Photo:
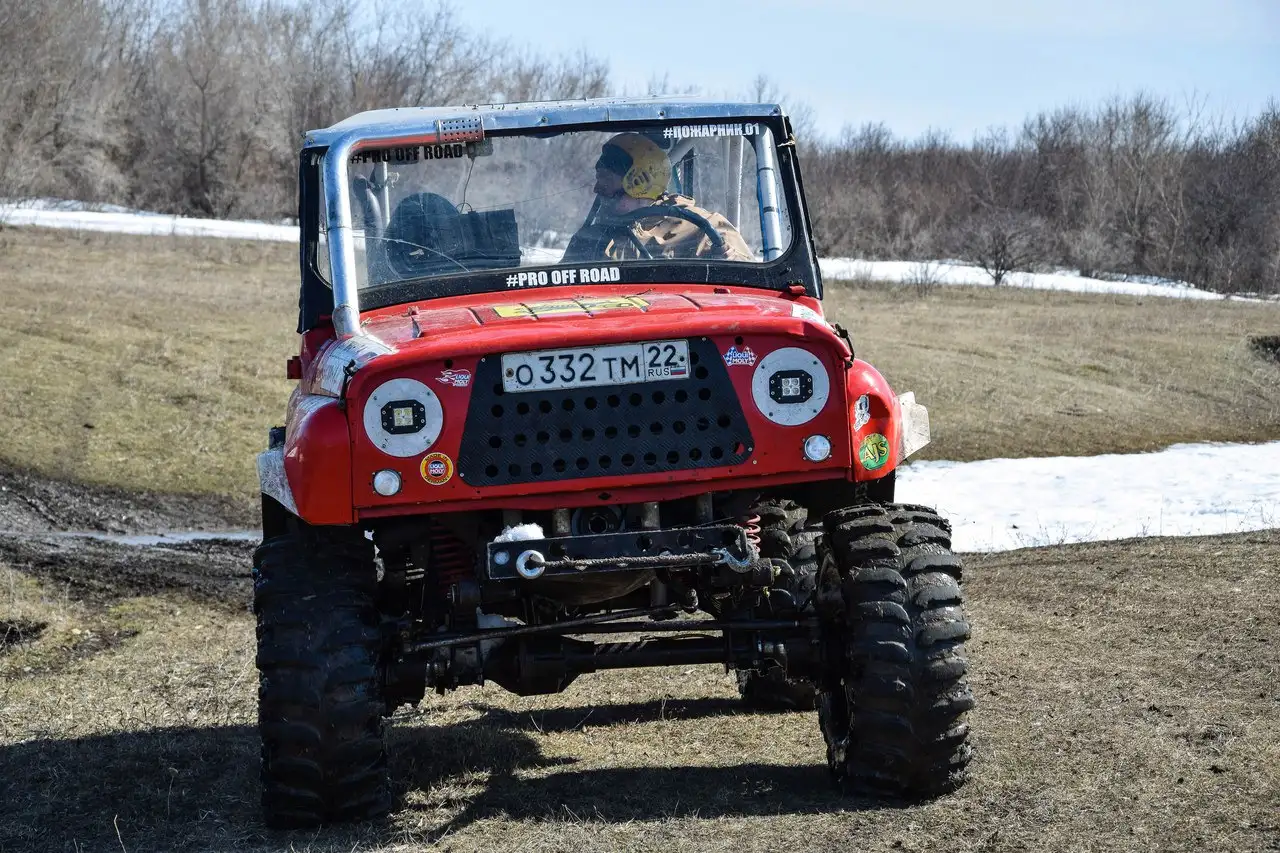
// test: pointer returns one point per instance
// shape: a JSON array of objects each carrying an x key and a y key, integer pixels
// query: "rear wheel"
[
  {"x": 785, "y": 536},
  {"x": 893, "y": 697},
  {"x": 319, "y": 703}
]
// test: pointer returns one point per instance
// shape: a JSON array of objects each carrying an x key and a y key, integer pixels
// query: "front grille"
[{"x": 605, "y": 431}]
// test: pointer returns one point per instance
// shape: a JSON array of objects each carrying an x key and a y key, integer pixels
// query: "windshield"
[{"x": 677, "y": 194}]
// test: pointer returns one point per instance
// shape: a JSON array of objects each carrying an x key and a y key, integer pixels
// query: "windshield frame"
[{"x": 797, "y": 265}]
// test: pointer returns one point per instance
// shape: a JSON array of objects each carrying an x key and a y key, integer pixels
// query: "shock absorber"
[
  {"x": 751, "y": 526},
  {"x": 450, "y": 556}
]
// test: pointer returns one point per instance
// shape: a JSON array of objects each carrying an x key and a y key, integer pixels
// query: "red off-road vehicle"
[{"x": 564, "y": 373}]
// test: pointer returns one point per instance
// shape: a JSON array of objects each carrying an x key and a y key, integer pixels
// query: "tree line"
[
  {"x": 197, "y": 107},
  {"x": 1135, "y": 185}
]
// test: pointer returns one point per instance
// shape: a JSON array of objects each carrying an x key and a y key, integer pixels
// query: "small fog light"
[
  {"x": 817, "y": 448},
  {"x": 386, "y": 482}
]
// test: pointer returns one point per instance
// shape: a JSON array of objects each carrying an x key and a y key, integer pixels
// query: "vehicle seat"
[{"x": 424, "y": 237}]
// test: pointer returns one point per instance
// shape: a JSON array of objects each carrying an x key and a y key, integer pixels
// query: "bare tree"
[
  {"x": 764, "y": 90},
  {"x": 1002, "y": 242},
  {"x": 533, "y": 78},
  {"x": 197, "y": 106},
  {"x": 207, "y": 115},
  {"x": 63, "y": 95}
]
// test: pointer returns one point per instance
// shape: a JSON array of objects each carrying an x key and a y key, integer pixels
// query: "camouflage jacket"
[{"x": 667, "y": 237}]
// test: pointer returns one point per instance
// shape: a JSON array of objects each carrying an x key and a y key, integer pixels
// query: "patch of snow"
[
  {"x": 69, "y": 205},
  {"x": 1184, "y": 490},
  {"x": 520, "y": 533},
  {"x": 949, "y": 272},
  {"x": 47, "y": 213}
]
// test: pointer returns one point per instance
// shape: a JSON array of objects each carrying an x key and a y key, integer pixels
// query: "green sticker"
[{"x": 873, "y": 453}]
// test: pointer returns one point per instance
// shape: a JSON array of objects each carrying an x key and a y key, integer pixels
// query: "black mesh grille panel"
[{"x": 605, "y": 431}]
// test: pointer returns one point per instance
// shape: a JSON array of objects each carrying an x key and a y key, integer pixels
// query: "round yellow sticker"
[
  {"x": 873, "y": 453},
  {"x": 437, "y": 469}
]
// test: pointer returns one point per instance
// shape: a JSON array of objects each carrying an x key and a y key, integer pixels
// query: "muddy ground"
[
  {"x": 69, "y": 536},
  {"x": 1129, "y": 699},
  {"x": 34, "y": 504}
]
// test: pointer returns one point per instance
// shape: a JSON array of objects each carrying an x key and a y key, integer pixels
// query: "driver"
[{"x": 631, "y": 175}]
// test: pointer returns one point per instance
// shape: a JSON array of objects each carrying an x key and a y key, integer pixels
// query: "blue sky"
[{"x": 956, "y": 66}]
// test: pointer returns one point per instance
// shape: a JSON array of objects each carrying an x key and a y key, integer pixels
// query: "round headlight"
[
  {"x": 790, "y": 386},
  {"x": 386, "y": 483},
  {"x": 402, "y": 417},
  {"x": 817, "y": 448}
]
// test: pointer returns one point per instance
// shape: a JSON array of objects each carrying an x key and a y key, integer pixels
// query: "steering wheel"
[{"x": 620, "y": 226}]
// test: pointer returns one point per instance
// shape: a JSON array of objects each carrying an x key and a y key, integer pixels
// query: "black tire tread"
[
  {"x": 893, "y": 701},
  {"x": 319, "y": 704}
]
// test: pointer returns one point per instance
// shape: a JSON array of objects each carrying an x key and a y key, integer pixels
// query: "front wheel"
[
  {"x": 893, "y": 698},
  {"x": 319, "y": 696}
]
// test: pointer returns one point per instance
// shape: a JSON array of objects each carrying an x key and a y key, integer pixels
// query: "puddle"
[{"x": 141, "y": 540}]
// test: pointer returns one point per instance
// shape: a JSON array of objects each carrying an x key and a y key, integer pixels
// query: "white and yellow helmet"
[{"x": 644, "y": 167}]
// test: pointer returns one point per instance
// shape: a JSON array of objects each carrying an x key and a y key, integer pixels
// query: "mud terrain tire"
[
  {"x": 893, "y": 696},
  {"x": 785, "y": 534},
  {"x": 319, "y": 703}
]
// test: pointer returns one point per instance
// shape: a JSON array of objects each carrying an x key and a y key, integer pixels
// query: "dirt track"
[
  {"x": 37, "y": 516},
  {"x": 1127, "y": 695},
  {"x": 215, "y": 571},
  {"x": 32, "y": 504}
]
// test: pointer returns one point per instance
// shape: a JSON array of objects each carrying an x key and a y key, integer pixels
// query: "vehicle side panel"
[
  {"x": 885, "y": 421},
  {"x": 317, "y": 459}
]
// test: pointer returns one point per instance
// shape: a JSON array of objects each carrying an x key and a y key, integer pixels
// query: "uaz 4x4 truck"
[{"x": 565, "y": 374}]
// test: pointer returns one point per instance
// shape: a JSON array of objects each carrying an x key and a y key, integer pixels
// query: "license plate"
[{"x": 622, "y": 364}]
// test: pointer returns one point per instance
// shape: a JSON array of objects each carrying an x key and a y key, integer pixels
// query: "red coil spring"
[
  {"x": 751, "y": 524},
  {"x": 450, "y": 556}
]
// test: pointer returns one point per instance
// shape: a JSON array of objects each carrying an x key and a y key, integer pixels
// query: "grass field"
[
  {"x": 1128, "y": 697},
  {"x": 1128, "y": 691},
  {"x": 157, "y": 363}
]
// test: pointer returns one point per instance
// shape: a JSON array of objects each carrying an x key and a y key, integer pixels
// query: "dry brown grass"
[
  {"x": 1015, "y": 372},
  {"x": 141, "y": 362},
  {"x": 173, "y": 351},
  {"x": 1127, "y": 691},
  {"x": 1127, "y": 701}
]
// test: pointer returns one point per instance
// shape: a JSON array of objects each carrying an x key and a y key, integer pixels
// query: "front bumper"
[
  {"x": 915, "y": 424},
  {"x": 573, "y": 556}
]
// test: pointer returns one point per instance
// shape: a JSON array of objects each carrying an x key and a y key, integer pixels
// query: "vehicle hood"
[{"x": 501, "y": 322}]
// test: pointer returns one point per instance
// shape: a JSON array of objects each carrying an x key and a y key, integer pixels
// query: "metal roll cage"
[{"x": 389, "y": 128}]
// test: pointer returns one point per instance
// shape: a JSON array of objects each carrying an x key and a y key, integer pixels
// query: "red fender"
[
  {"x": 880, "y": 438},
  {"x": 317, "y": 460}
]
